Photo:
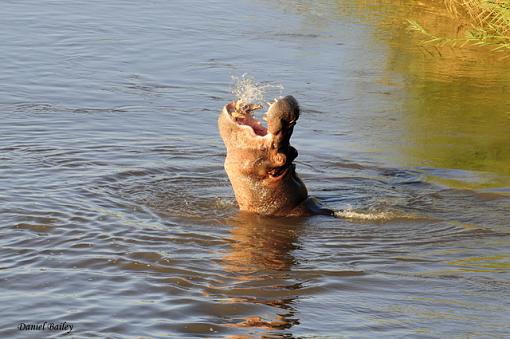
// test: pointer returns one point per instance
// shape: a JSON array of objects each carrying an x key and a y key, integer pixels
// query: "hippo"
[{"x": 259, "y": 161}]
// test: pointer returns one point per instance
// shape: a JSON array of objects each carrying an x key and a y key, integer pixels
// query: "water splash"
[
  {"x": 246, "y": 89},
  {"x": 349, "y": 213}
]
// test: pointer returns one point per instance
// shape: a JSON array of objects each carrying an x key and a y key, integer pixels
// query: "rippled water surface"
[{"x": 117, "y": 215}]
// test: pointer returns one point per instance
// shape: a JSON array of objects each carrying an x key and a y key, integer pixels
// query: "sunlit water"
[{"x": 117, "y": 215}]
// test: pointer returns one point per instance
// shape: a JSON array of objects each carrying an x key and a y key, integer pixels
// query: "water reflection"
[
  {"x": 461, "y": 126},
  {"x": 261, "y": 259},
  {"x": 454, "y": 111}
]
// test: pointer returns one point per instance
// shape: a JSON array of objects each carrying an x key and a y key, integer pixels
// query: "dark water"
[{"x": 117, "y": 216}]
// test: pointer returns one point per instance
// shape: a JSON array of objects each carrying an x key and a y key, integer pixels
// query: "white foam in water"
[
  {"x": 247, "y": 90},
  {"x": 349, "y": 213}
]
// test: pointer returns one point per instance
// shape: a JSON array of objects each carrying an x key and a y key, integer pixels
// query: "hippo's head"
[{"x": 259, "y": 159}]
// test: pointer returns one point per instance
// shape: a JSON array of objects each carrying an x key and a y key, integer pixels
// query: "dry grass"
[{"x": 487, "y": 22}]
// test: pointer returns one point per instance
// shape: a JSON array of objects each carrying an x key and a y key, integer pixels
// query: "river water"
[{"x": 117, "y": 216}]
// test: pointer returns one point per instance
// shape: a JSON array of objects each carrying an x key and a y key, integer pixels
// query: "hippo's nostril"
[{"x": 259, "y": 160}]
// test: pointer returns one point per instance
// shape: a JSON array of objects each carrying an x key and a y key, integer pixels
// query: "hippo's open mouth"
[
  {"x": 244, "y": 117},
  {"x": 259, "y": 160},
  {"x": 249, "y": 133}
]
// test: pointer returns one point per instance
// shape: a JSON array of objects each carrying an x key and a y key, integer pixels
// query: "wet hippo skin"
[{"x": 259, "y": 161}]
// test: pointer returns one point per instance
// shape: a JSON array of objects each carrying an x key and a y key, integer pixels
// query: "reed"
[{"x": 483, "y": 23}]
